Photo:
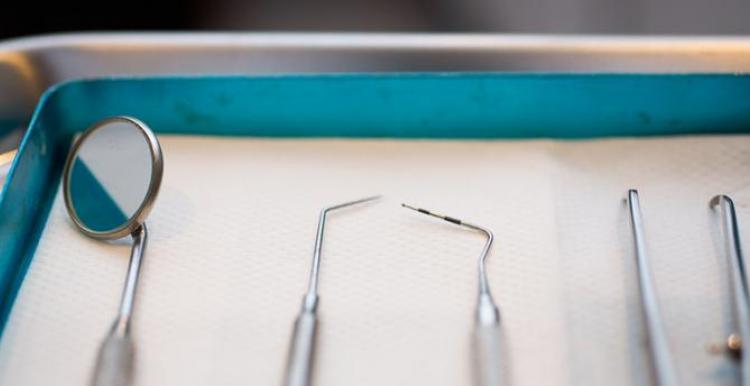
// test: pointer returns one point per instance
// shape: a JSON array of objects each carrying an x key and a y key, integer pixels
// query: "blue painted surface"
[
  {"x": 487, "y": 106},
  {"x": 428, "y": 106}
]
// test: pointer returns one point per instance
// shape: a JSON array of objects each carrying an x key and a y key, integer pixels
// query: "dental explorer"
[{"x": 302, "y": 349}]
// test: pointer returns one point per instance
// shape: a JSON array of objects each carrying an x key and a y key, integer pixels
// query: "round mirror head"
[{"x": 111, "y": 177}]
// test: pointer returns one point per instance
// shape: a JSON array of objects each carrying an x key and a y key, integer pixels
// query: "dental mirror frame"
[
  {"x": 115, "y": 360},
  {"x": 157, "y": 170}
]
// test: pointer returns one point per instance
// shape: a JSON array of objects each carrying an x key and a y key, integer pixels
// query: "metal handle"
[
  {"x": 664, "y": 369},
  {"x": 114, "y": 365},
  {"x": 488, "y": 351},
  {"x": 300, "y": 362},
  {"x": 738, "y": 279}
]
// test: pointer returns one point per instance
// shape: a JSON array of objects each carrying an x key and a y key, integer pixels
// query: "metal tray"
[
  {"x": 431, "y": 106},
  {"x": 479, "y": 106}
]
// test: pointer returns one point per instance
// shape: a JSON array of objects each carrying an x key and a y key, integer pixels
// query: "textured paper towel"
[{"x": 231, "y": 243}]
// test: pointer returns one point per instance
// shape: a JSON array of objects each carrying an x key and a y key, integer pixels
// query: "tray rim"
[
  {"x": 30, "y": 65},
  {"x": 386, "y": 40}
]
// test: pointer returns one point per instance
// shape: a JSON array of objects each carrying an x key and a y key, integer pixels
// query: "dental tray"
[{"x": 543, "y": 160}]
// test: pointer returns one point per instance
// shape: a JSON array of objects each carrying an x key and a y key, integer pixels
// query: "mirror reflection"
[{"x": 110, "y": 176}]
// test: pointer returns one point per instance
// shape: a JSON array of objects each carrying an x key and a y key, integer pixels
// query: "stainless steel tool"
[
  {"x": 489, "y": 355},
  {"x": 738, "y": 279},
  {"x": 111, "y": 180},
  {"x": 301, "y": 352},
  {"x": 663, "y": 366}
]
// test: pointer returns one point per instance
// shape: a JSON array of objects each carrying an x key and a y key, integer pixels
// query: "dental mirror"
[{"x": 110, "y": 181}]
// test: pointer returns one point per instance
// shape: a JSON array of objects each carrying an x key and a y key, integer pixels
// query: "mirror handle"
[{"x": 114, "y": 364}]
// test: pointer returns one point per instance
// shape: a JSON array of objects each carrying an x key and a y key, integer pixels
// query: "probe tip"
[{"x": 407, "y": 206}]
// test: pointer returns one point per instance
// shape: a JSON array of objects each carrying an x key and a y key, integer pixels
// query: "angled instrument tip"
[
  {"x": 484, "y": 287},
  {"x": 716, "y": 200},
  {"x": 433, "y": 214},
  {"x": 355, "y": 202},
  {"x": 313, "y": 285},
  {"x": 407, "y": 206},
  {"x": 372, "y": 198}
]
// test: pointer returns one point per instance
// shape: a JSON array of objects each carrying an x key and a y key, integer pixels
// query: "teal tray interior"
[{"x": 471, "y": 106}]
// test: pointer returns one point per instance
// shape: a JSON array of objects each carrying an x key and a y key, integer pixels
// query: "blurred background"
[{"x": 22, "y": 18}]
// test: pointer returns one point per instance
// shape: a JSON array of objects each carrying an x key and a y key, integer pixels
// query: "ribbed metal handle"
[
  {"x": 301, "y": 351},
  {"x": 489, "y": 356},
  {"x": 114, "y": 366}
]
